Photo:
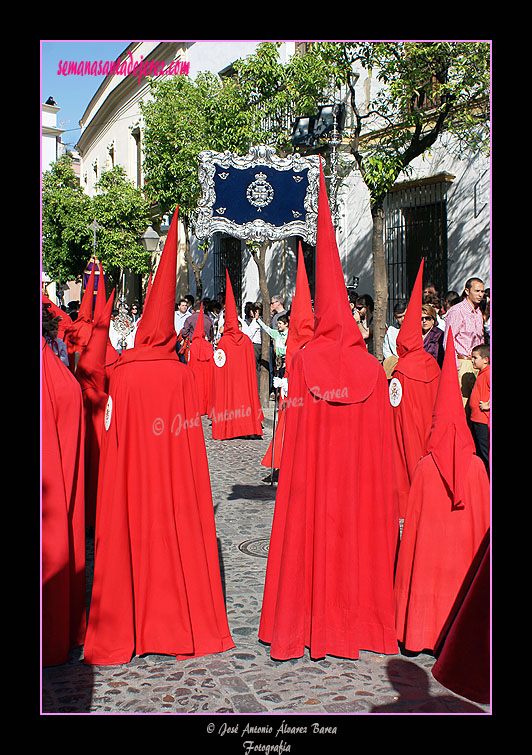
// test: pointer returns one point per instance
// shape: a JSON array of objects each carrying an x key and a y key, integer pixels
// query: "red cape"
[
  {"x": 63, "y": 514},
  {"x": 437, "y": 547},
  {"x": 157, "y": 585},
  {"x": 200, "y": 360},
  {"x": 447, "y": 516},
  {"x": 415, "y": 381},
  {"x": 94, "y": 383},
  {"x": 329, "y": 577},
  {"x": 235, "y": 407},
  {"x": 463, "y": 664}
]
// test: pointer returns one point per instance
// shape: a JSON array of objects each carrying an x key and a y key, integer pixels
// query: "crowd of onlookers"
[{"x": 437, "y": 312}]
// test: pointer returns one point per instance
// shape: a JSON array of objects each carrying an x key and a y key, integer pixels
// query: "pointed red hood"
[
  {"x": 156, "y": 337},
  {"x": 78, "y": 333},
  {"x": 451, "y": 443},
  {"x": 199, "y": 330},
  {"x": 91, "y": 366},
  {"x": 337, "y": 365},
  {"x": 231, "y": 326},
  {"x": 85, "y": 308},
  {"x": 414, "y": 361},
  {"x": 200, "y": 348},
  {"x": 301, "y": 327}
]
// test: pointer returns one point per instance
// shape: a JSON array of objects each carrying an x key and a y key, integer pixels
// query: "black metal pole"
[{"x": 276, "y": 391}]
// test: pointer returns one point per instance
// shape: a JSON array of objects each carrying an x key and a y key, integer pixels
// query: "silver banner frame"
[{"x": 257, "y": 230}]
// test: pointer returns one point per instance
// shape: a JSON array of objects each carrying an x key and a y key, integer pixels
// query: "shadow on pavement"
[
  {"x": 412, "y": 685},
  {"x": 253, "y": 492}
]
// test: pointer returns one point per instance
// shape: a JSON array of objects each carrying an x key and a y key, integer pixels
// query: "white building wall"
[
  {"x": 112, "y": 116},
  {"x": 217, "y": 55},
  {"x": 116, "y": 105},
  {"x": 50, "y": 136}
]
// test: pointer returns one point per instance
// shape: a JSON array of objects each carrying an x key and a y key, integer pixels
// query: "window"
[
  {"x": 135, "y": 133},
  {"x": 415, "y": 226}
]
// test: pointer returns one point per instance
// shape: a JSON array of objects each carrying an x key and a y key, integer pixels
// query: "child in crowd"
[
  {"x": 279, "y": 336},
  {"x": 479, "y": 402}
]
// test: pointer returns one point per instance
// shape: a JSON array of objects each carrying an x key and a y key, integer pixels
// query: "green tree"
[
  {"x": 428, "y": 88},
  {"x": 183, "y": 117},
  {"x": 123, "y": 214},
  {"x": 66, "y": 215},
  {"x": 254, "y": 105}
]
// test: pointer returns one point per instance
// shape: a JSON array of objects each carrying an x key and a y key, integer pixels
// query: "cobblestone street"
[{"x": 244, "y": 686}]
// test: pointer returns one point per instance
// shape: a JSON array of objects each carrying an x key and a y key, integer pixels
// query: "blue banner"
[
  {"x": 260, "y": 193},
  {"x": 258, "y": 197}
]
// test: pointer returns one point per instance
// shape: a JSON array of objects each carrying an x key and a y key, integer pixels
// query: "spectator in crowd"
[
  {"x": 432, "y": 334},
  {"x": 363, "y": 314},
  {"x": 251, "y": 326},
  {"x": 450, "y": 298},
  {"x": 485, "y": 307},
  {"x": 135, "y": 312},
  {"x": 467, "y": 323},
  {"x": 431, "y": 296},
  {"x": 279, "y": 336},
  {"x": 181, "y": 316},
  {"x": 50, "y": 330},
  {"x": 276, "y": 309},
  {"x": 479, "y": 403},
  {"x": 187, "y": 331},
  {"x": 389, "y": 346}
]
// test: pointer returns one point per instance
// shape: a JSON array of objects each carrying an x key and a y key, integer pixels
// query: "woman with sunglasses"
[{"x": 432, "y": 334}]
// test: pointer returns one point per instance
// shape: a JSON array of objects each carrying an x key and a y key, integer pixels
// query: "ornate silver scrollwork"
[
  {"x": 259, "y": 193},
  {"x": 123, "y": 324}
]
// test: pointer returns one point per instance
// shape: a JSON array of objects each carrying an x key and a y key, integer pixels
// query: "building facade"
[
  {"x": 51, "y": 145},
  {"x": 441, "y": 210}
]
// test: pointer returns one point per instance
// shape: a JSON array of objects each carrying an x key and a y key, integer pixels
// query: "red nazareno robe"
[
  {"x": 200, "y": 361},
  {"x": 235, "y": 408},
  {"x": 329, "y": 577},
  {"x": 157, "y": 585},
  {"x": 412, "y": 393},
  {"x": 63, "y": 513},
  {"x": 300, "y": 331},
  {"x": 94, "y": 383},
  {"x": 447, "y": 516}
]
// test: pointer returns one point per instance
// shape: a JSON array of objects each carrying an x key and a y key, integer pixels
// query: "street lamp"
[
  {"x": 150, "y": 240},
  {"x": 328, "y": 123}
]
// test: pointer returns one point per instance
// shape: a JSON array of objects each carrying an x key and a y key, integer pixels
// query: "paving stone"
[
  {"x": 246, "y": 680},
  {"x": 248, "y": 704}
]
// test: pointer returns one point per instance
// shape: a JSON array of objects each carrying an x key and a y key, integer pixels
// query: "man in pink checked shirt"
[{"x": 467, "y": 323}]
